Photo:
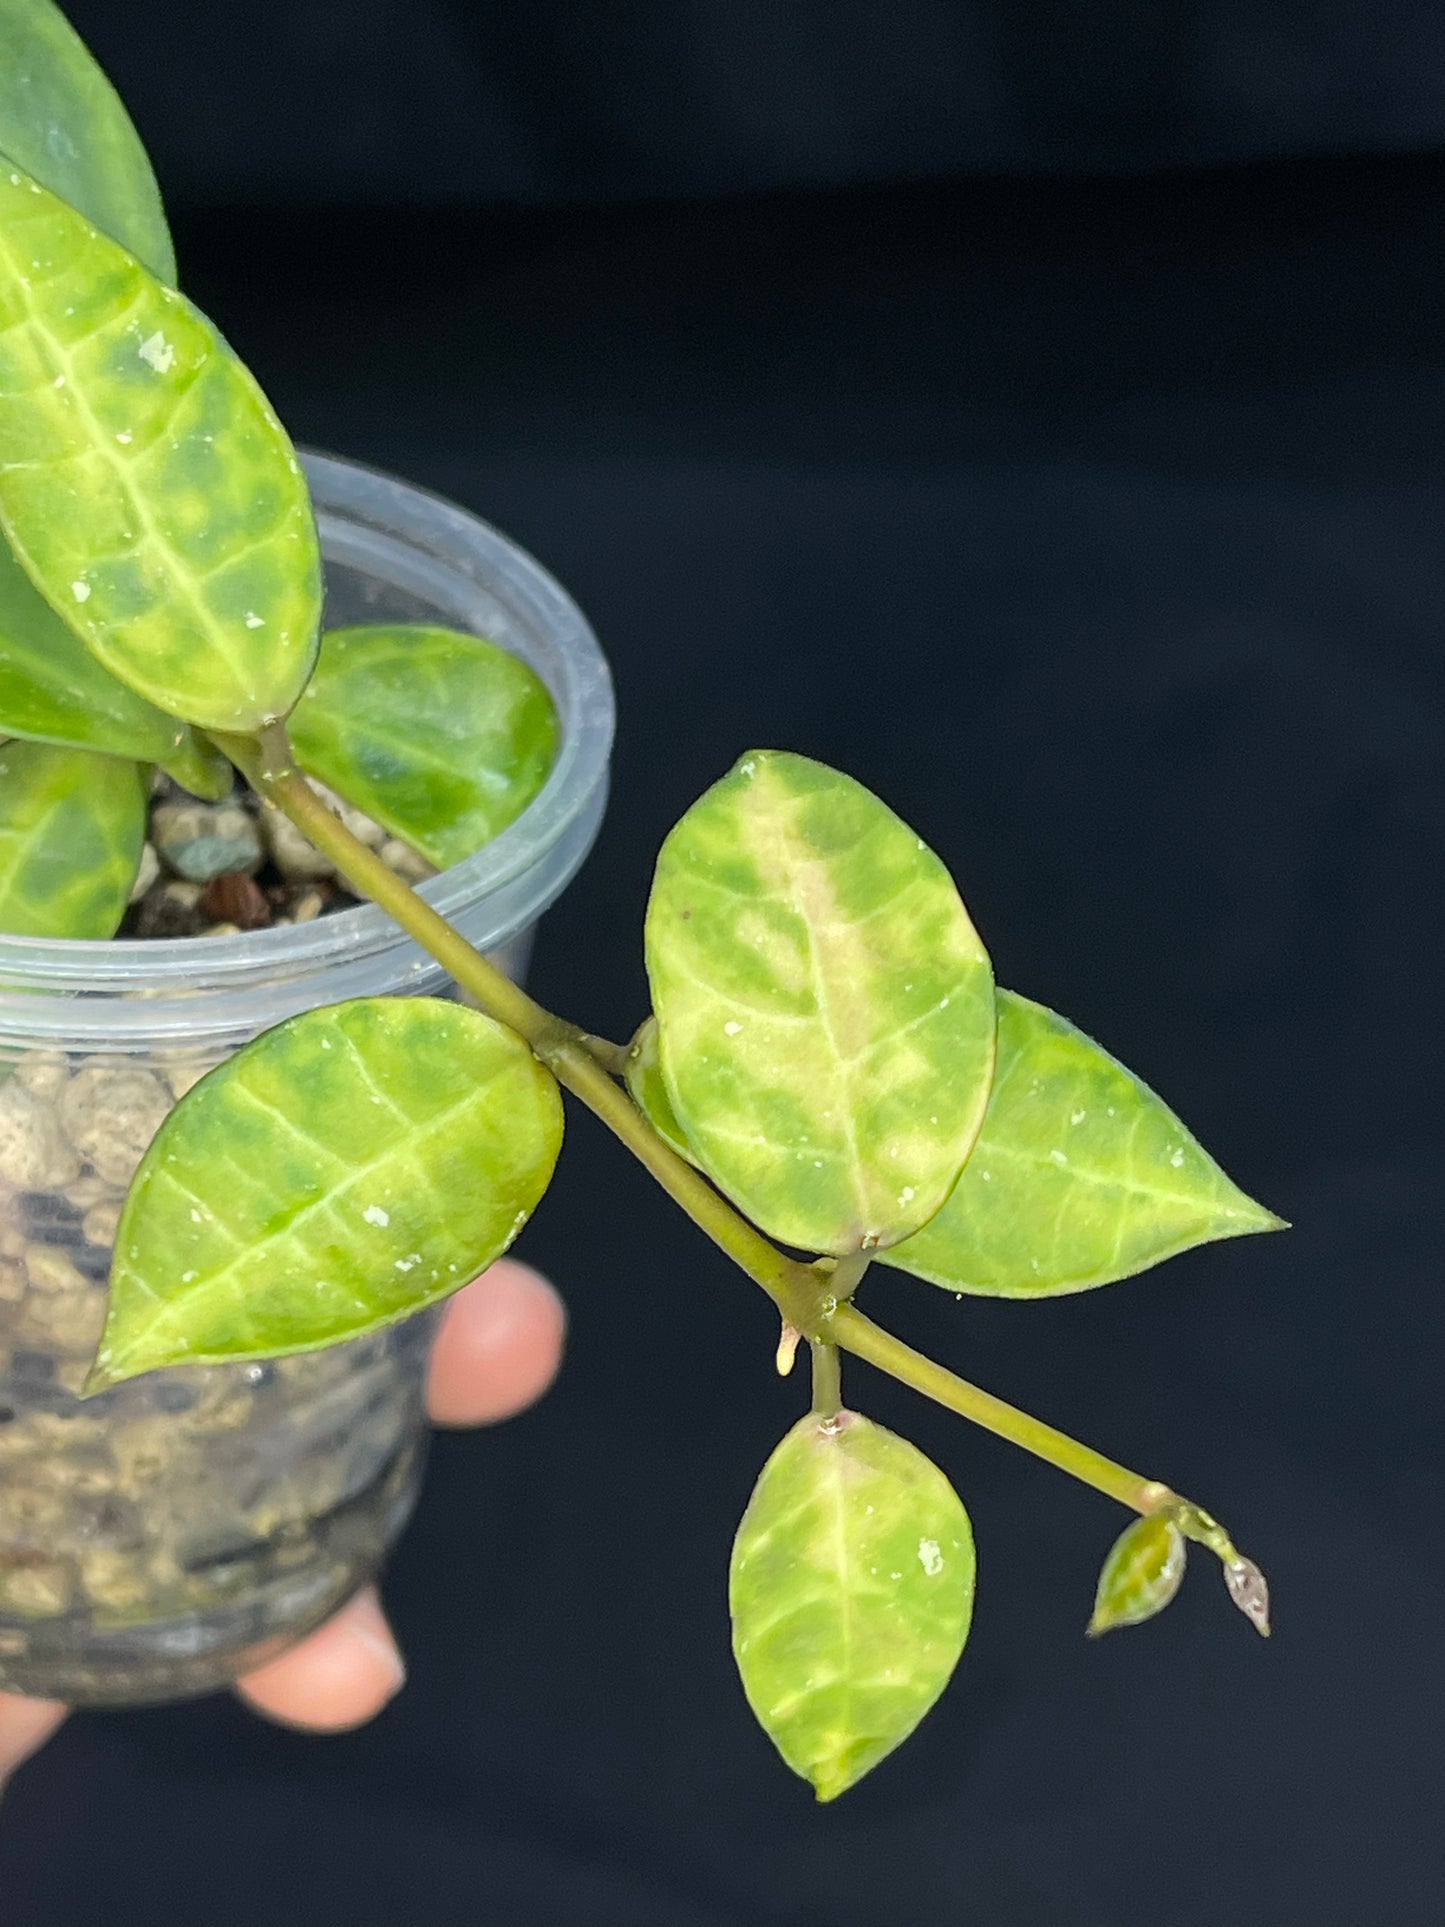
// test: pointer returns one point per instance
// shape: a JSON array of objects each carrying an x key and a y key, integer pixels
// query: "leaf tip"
[
  {"x": 1249, "y": 1216},
  {"x": 100, "y": 1378}
]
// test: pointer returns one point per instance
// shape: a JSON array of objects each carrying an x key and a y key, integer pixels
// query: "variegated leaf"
[
  {"x": 824, "y": 1005},
  {"x": 145, "y": 483},
  {"x": 1081, "y": 1175},
  {"x": 346, "y": 1168},
  {"x": 852, "y": 1590}
]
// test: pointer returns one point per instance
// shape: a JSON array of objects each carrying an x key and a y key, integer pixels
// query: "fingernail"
[{"x": 366, "y": 1622}]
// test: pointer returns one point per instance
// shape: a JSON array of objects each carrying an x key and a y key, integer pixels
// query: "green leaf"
[
  {"x": 441, "y": 736},
  {"x": 824, "y": 1005},
  {"x": 72, "y": 828},
  {"x": 851, "y": 1589},
  {"x": 52, "y": 690},
  {"x": 1081, "y": 1175},
  {"x": 343, "y": 1170},
  {"x": 1141, "y": 1574},
  {"x": 62, "y": 121},
  {"x": 649, "y": 1093},
  {"x": 145, "y": 484}
]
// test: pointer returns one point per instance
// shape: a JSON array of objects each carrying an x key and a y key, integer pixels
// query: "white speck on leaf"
[
  {"x": 80, "y": 590},
  {"x": 187, "y": 1276},
  {"x": 406, "y": 1264},
  {"x": 731, "y": 1029},
  {"x": 987, "y": 1176},
  {"x": 253, "y": 621},
  {"x": 124, "y": 435},
  {"x": 374, "y": 1214},
  {"x": 905, "y": 1196},
  {"x": 1077, "y": 1117},
  {"x": 1059, "y": 1157},
  {"x": 929, "y": 1557},
  {"x": 1177, "y": 1159},
  {"x": 158, "y": 352}
]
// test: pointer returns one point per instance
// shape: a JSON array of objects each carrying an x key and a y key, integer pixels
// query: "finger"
[
  {"x": 339, "y": 1678},
  {"x": 499, "y": 1346},
  {"x": 25, "y": 1726}
]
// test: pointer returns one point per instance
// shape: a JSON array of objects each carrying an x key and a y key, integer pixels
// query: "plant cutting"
[{"x": 829, "y": 1077}]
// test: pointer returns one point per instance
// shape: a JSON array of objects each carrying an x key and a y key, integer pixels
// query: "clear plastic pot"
[{"x": 162, "y": 1538}]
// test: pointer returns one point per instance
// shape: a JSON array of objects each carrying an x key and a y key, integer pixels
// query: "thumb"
[{"x": 25, "y": 1726}]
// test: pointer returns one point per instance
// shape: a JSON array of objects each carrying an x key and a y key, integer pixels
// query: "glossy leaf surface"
[
  {"x": 53, "y": 690},
  {"x": 1141, "y": 1574},
  {"x": 824, "y": 1005},
  {"x": 62, "y": 121},
  {"x": 649, "y": 1093},
  {"x": 851, "y": 1590},
  {"x": 344, "y": 1169},
  {"x": 1081, "y": 1175},
  {"x": 145, "y": 484},
  {"x": 441, "y": 736},
  {"x": 72, "y": 827}
]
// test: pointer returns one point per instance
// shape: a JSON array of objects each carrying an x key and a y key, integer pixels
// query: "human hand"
[{"x": 498, "y": 1349}]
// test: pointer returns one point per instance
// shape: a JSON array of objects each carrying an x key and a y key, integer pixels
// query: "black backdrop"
[{"x": 1096, "y": 523}]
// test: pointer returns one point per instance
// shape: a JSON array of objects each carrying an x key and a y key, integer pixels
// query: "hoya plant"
[{"x": 829, "y": 1077}]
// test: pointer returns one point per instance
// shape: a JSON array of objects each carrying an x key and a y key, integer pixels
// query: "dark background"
[{"x": 1037, "y": 411}]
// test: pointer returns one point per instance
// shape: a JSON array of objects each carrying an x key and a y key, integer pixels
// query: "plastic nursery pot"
[{"x": 164, "y": 1537}]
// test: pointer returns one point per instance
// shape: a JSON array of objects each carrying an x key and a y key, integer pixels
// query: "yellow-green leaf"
[
  {"x": 851, "y": 1589},
  {"x": 145, "y": 484},
  {"x": 343, "y": 1170},
  {"x": 62, "y": 121},
  {"x": 1081, "y": 1175},
  {"x": 441, "y": 736},
  {"x": 1141, "y": 1574},
  {"x": 72, "y": 827},
  {"x": 824, "y": 1005},
  {"x": 52, "y": 690}
]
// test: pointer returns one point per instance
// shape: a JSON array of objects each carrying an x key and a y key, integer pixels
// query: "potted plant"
[{"x": 237, "y": 1170}]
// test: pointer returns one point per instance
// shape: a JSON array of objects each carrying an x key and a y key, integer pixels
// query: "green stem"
[
  {"x": 827, "y": 1380},
  {"x": 810, "y": 1299},
  {"x": 864, "y": 1339}
]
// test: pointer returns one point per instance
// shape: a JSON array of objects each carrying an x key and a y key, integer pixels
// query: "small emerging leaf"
[
  {"x": 649, "y": 1093},
  {"x": 851, "y": 1590},
  {"x": 1141, "y": 1574},
  {"x": 63, "y": 122},
  {"x": 1249, "y": 1590},
  {"x": 72, "y": 828},
  {"x": 53, "y": 690},
  {"x": 343, "y": 1170},
  {"x": 145, "y": 484},
  {"x": 825, "y": 1008},
  {"x": 442, "y": 736},
  {"x": 1080, "y": 1176}
]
